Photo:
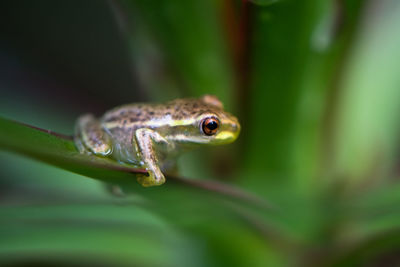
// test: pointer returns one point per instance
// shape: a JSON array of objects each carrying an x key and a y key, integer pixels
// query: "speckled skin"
[{"x": 150, "y": 135}]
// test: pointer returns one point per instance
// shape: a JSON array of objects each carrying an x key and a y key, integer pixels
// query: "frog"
[{"x": 152, "y": 135}]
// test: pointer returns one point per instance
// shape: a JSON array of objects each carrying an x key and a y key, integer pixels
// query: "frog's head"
[
  {"x": 207, "y": 123},
  {"x": 216, "y": 125}
]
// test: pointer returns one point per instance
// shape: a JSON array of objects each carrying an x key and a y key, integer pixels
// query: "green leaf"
[
  {"x": 367, "y": 128},
  {"x": 59, "y": 151}
]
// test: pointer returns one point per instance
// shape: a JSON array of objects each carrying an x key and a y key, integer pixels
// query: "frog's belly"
[
  {"x": 125, "y": 153},
  {"x": 123, "y": 149}
]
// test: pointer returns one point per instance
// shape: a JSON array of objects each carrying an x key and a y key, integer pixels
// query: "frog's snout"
[
  {"x": 236, "y": 127},
  {"x": 229, "y": 132}
]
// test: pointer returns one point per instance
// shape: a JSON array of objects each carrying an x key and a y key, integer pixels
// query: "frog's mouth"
[{"x": 225, "y": 137}]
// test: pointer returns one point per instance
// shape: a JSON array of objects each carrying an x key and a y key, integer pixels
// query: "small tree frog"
[{"x": 150, "y": 135}]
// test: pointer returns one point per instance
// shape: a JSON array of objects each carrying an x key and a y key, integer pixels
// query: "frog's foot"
[
  {"x": 144, "y": 141},
  {"x": 90, "y": 137},
  {"x": 150, "y": 180}
]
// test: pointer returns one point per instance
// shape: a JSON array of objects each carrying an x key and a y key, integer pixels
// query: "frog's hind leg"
[{"x": 90, "y": 137}]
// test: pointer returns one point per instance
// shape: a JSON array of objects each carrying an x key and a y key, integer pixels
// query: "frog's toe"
[
  {"x": 101, "y": 149},
  {"x": 149, "y": 180}
]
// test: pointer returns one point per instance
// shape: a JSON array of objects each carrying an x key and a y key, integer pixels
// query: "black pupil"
[{"x": 212, "y": 125}]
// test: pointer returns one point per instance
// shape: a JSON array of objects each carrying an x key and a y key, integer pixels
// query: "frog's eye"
[{"x": 210, "y": 126}]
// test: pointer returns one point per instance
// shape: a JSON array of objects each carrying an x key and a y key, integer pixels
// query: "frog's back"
[{"x": 135, "y": 116}]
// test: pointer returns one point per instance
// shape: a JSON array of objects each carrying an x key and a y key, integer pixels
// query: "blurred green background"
[{"x": 315, "y": 85}]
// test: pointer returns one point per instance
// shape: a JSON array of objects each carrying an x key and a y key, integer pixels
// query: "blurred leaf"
[
  {"x": 367, "y": 128},
  {"x": 375, "y": 211},
  {"x": 290, "y": 80},
  {"x": 102, "y": 234},
  {"x": 379, "y": 250},
  {"x": 264, "y": 2},
  {"x": 205, "y": 201},
  {"x": 58, "y": 150},
  {"x": 194, "y": 46}
]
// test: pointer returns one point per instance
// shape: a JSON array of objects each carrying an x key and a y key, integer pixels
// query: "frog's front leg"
[{"x": 145, "y": 140}]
